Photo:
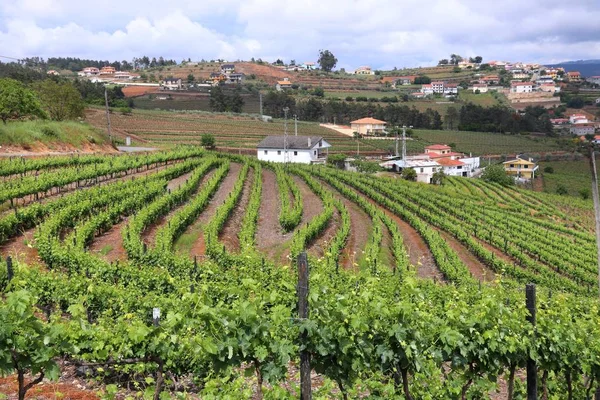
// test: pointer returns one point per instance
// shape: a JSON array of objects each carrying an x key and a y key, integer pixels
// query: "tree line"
[
  {"x": 503, "y": 119},
  {"x": 77, "y": 64}
]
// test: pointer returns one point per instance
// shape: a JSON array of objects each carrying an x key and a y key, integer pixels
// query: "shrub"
[
  {"x": 208, "y": 141},
  {"x": 549, "y": 170},
  {"x": 349, "y": 98},
  {"x": 125, "y": 110},
  {"x": 562, "y": 190},
  {"x": 49, "y": 131},
  {"x": 585, "y": 193}
]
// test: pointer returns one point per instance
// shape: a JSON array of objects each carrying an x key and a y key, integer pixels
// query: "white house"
[
  {"x": 596, "y": 139},
  {"x": 283, "y": 85},
  {"x": 459, "y": 167},
  {"x": 424, "y": 168},
  {"x": 227, "y": 68},
  {"x": 521, "y": 87},
  {"x": 427, "y": 89},
  {"x": 582, "y": 129},
  {"x": 578, "y": 119},
  {"x": 450, "y": 89},
  {"x": 87, "y": 71},
  {"x": 368, "y": 126},
  {"x": 593, "y": 79},
  {"x": 366, "y": 70},
  {"x": 295, "y": 149},
  {"x": 438, "y": 87},
  {"x": 171, "y": 84}
]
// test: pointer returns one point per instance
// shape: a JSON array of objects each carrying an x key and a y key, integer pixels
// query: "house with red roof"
[
  {"x": 521, "y": 87},
  {"x": 368, "y": 126},
  {"x": 574, "y": 76}
]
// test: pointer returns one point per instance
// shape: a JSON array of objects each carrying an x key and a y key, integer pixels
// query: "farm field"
[
  {"x": 574, "y": 176},
  {"x": 231, "y": 131},
  {"x": 427, "y": 278}
]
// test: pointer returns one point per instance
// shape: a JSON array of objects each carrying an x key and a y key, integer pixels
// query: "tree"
[
  {"x": 496, "y": 173},
  {"x": 221, "y": 102},
  {"x": 62, "y": 101},
  {"x": 409, "y": 174},
  {"x": 452, "y": 118},
  {"x": 191, "y": 78},
  {"x": 16, "y": 101},
  {"x": 438, "y": 178},
  {"x": 422, "y": 80},
  {"x": 443, "y": 61},
  {"x": 327, "y": 60},
  {"x": 318, "y": 91},
  {"x": 455, "y": 59},
  {"x": 27, "y": 345},
  {"x": 208, "y": 141}
]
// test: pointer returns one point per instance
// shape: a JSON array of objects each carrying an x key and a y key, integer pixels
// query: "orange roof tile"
[
  {"x": 447, "y": 162},
  {"x": 438, "y": 147},
  {"x": 368, "y": 120}
]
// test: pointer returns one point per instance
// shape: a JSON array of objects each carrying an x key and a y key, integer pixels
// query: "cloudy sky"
[{"x": 380, "y": 33}]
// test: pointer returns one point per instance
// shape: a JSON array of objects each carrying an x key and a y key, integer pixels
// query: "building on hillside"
[
  {"x": 582, "y": 129},
  {"x": 459, "y": 167},
  {"x": 425, "y": 169},
  {"x": 87, "y": 71},
  {"x": 418, "y": 95},
  {"x": 405, "y": 80},
  {"x": 520, "y": 168},
  {"x": 365, "y": 70},
  {"x": 574, "y": 76},
  {"x": 450, "y": 89},
  {"x": 368, "y": 126},
  {"x": 108, "y": 70},
  {"x": 490, "y": 79},
  {"x": 559, "y": 121},
  {"x": 438, "y": 87},
  {"x": 549, "y": 87},
  {"x": 520, "y": 75},
  {"x": 594, "y": 80},
  {"x": 171, "y": 84},
  {"x": 53, "y": 72},
  {"x": 295, "y": 149},
  {"x": 308, "y": 66},
  {"x": 482, "y": 87},
  {"x": 578, "y": 119},
  {"x": 228, "y": 68},
  {"x": 235, "y": 78},
  {"x": 598, "y": 100},
  {"x": 216, "y": 77},
  {"x": 521, "y": 87},
  {"x": 124, "y": 75},
  {"x": 427, "y": 89},
  {"x": 596, "y": 139},
  {"x": 283, "y": 85}
]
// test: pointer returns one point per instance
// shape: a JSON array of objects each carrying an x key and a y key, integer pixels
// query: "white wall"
[{"x": 303, "y": 156}]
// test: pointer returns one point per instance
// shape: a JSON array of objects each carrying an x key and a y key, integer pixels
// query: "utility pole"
[
  {"x": 396, "y": 153},
  {"x": 260, "y": 103},
  {"x": 596, "y": 199},
  {"x": 285, "y": 135},
  {"x": 403, "y": 142},
  {"x": 107, "y": 115},
  {"x": 295, "y": 125}
]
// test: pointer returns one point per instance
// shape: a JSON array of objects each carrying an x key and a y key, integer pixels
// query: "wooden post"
[
  {"x": 9, "y": 268},
  {"x": 302, "y": 289},
  {"x": 530, "y": 302},
  {"x": 156, "y": 316},
  {"x": 596, "y": 199}
]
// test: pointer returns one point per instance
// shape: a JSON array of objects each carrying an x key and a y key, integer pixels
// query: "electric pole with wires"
[{"x": 285, "y": 136}]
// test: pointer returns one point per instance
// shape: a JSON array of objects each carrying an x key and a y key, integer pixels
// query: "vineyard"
[{"x": 175, "y": 275}]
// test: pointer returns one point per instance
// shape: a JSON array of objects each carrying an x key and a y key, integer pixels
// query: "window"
[
  {"x": 266, "y": 152},
  {"x": 512, "y": 165},
  {"x": 421, "y": 169},
  {"x": 315, "y": 152},
  {"x": 525, "y": 166},
  {"x": 278, "y": 152},
  {"x": 295, "y": 153}
]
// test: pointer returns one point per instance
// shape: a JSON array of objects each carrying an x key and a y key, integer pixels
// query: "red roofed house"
[
  {"x": 521, "y": 87},
  {"x": 438, "y": 148},
  {"x": 574, "y": 76},
  {"x": 108, "y": 70},
  {"x": 482, "y": 87},
  {"x": 452, "y": 163},
  {"x": 368, "y": 126},
  {"x": 490, "y": 79},
  {"x": 596, "y": 139},
  {"x": 284, "y": 84}
]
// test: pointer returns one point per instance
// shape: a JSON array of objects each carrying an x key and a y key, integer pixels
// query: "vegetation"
[
  {"x": 62, "y": 101},
  {"x": 327, "y": 60},
  {"x": 573, "y": 177},
  {"x": 497, "y": 174},
  {"x": 49, "y": 133},
  {"x": 16, "y": 101}
]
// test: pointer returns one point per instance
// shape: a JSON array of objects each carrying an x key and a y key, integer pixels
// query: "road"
[{"x": 131, "y": 149}]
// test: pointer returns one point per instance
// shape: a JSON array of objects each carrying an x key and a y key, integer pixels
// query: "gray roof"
[{"x": 293, "y": 142}]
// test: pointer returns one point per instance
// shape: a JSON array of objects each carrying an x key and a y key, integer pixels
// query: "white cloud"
[{"x": 381, "y": 33}]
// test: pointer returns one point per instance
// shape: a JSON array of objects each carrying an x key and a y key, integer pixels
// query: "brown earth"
[
  {"x": 319, "y": 246},
  {"x": 269, "y": 235},
  {"x": 475, "y": 266},
  {"x": 22, "y": 248},
  {"x": 41, "y": 150},
  {"x": 227, "y": 184},
  {"x": 229, "y": 234},
  {"x": 133, "y": 91}
]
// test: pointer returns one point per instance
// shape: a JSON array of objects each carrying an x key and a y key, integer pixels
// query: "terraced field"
[{"x": 412, "y": 287}]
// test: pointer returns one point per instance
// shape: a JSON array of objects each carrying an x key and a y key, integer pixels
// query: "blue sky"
[{"x": 379, "y": 33}]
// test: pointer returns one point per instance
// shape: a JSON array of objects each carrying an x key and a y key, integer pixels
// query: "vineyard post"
[
  {"x": 9, "y": 268},
  {"x": 158, "y": 360},
  {"x": 530, "y": 302},
  {"x": 596, "y": 199},
  {"x": 305, "y": 386}
]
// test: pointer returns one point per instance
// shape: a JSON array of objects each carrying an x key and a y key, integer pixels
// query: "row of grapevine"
[{"x": 290, "y": 214}]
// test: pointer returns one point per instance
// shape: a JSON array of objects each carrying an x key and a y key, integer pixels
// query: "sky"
[{"x": 380, "y": 33}]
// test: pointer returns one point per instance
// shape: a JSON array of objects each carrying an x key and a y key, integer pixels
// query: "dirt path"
[
  {"x": 270, "y": 238},
  {"x": 149, "y": 233},
  {"x": 318, "y": 247},
  {"x": 359, "y": 234},
  {"x": 21, "y": 248},
  {"x": 311, "y": 202},
  {"x": 229, "y": 234},
  {"x": 475, "y": 266},
  {"x": 191, "y": 242}
]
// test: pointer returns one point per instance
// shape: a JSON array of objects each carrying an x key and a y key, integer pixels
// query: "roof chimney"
[{"x": 309, "y": 143}]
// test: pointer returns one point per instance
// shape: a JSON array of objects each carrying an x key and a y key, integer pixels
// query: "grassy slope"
[
  {"x": 573, "y": 175},
  {"x": 50, "y": 134}
]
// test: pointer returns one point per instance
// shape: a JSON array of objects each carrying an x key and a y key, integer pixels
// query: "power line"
[{"x": 11, "y": 58}]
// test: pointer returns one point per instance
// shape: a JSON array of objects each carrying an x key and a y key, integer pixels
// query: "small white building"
[
  {"x": 283, "y": 85},
  {"x": 228, "y": 68},
  {"x": 437, "y": 86},
  {"x": 366, "y": 70},
  {"x": 582, "y": 129},
  {"x": 578, "y": 119},
  {"x": 368, "y": 126},
  {"x": 424, "y": 168},
  {"x": 171, "y": 84},
  {"x": 450, "y": 89},
  {"x": 593, "y": 79},
  {"x": 294, "y": 149},
  {"x": 427, "y": 89},
  {"x": 521, "y": 87}
]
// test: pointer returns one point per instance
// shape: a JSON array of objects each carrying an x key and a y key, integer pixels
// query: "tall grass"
[{"x": 28, "y": 133}]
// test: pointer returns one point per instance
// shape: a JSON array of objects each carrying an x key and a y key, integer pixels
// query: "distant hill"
[{"x": 586, "y": 67}]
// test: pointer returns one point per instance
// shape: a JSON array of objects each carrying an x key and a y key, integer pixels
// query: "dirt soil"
[
  {"x": 199, "y": 246},
  {"x": 319, "y": 246},
  {"x": 475, "y": 266},
  {"x": 110, "y": 243},
  {"x": 55, "y": 149},
  {"x": 21, "y": 248},
  {"x": 229, "y": 234},
  {"x": 269, "y": 235}
]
